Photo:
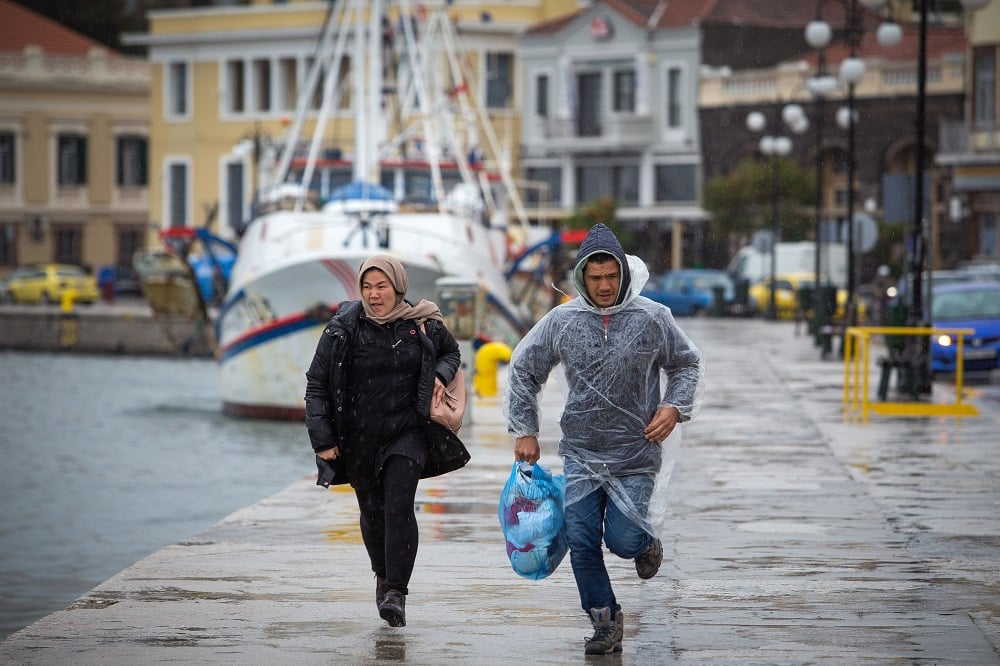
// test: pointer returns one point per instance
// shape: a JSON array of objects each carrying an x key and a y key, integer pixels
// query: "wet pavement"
[{"x": 795, "y": 538}]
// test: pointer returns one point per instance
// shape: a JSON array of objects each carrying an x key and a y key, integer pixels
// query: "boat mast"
[
  {"x": 367, "y": 99},
  {"x": 334, "y": 19},
  {"x": 420, "y": 64},
  {"x": 461, "y": 73},
  {"x": 435, "y": 91}
]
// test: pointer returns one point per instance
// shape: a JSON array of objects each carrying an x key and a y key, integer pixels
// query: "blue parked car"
[
  {"x": 690, "y": 292},
  {"x": 974, "y": 305}
]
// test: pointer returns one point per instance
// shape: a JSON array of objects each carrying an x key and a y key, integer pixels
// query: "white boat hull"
[{"x": 292, "y": 270}]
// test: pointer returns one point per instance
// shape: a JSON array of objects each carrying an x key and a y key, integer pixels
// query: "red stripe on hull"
[{"x": 345, "y": 274}]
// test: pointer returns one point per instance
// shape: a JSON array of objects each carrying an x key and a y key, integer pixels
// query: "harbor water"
[{"x": 107, "y": 459}]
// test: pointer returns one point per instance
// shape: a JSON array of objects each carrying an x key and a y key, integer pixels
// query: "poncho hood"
[{"x": 601, "y": 239}]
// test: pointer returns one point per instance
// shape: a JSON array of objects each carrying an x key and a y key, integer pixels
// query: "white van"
[{"x": 750, "y": 265}]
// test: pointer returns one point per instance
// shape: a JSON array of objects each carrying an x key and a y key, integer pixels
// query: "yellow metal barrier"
[{"x": 856, "y": 373}]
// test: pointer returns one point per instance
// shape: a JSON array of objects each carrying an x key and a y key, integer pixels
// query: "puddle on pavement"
[
  {"x": 455, "y": 507},
  {"x": 781, "y": 527},
  {"x": 344, "y": 534}
]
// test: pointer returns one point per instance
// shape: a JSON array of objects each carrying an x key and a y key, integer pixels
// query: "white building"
[{"x": 610, "y": 112}]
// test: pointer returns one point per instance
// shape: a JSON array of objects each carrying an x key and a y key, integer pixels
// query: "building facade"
[
  {"x": 970, "y": 146},
  {"x": 610, "y": 112},
  {"x": 225, "y": 82},
  {"x": 74, "y": 128},
  {"x": 885, "y": 127}
]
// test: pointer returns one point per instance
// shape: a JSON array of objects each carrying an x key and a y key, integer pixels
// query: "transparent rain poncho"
[{"x": 619, "y": 364}]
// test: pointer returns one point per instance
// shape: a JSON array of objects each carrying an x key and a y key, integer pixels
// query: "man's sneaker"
[
  {"x": 608, "y": 632},
  {"x": 648, "y": 563},
  {"x": 393, "y": 608}
]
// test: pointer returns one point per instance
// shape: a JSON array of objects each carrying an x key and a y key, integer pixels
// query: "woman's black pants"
[{"x": 389, "y": 524}]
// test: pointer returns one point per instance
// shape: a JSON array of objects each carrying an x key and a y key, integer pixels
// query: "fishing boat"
[
  {"x": 180, "y": 281},
  {"x": 169, "y": 287},
  {"x": 422, "y": 193}
]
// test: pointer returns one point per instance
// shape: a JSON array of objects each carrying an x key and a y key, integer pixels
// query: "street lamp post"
[
  {"x": 820, "y": 86},
  {"x": 818, "y": 34},
  {"x": 919, "y": 253},
  {"x": 774, "y": 147},
  {"x": 819, "y": 105},
  {"x": 918, "y": 316}
]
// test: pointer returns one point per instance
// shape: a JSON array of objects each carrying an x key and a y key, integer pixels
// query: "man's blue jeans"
[{"x": 591, "y": 520}]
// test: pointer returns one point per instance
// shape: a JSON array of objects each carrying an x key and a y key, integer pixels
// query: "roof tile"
[{"x": 20, "y": 27}]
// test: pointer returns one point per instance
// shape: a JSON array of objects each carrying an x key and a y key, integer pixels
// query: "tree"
[
  {"x": 740, "y": 201},
  {"x": 605, "y": 212}
]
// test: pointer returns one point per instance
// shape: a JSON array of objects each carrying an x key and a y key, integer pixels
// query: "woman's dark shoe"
[
  {"x": 379, "y": 590},
  {"x": 393, "y": 608}
]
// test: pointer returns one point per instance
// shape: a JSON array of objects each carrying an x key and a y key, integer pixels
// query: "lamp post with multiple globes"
[
  {"x": 818, "y": 34},
  {"x": 774, "y": 147}
]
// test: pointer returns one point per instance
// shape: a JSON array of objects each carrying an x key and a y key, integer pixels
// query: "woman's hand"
[
  {"x": 439, "y": 388},
  {"x": 329, "y": 454}
]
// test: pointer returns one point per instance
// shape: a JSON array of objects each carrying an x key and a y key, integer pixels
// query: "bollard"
[
  {"x": 718, "y": 301},
  {"x": 69, "y": 322},
  {"x": 488, "y": 358},
  {"x": 66, "y": 303}
]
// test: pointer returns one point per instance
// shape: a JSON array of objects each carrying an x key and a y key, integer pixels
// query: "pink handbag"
[{"x": 450, "y": 409}]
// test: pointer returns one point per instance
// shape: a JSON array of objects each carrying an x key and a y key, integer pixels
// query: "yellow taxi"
[
  {"x": 786, "y": 295},
  {"x": 46, "y": 283}
]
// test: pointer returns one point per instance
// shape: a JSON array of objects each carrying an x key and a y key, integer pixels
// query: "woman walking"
[{"x": 377, "y": 367}]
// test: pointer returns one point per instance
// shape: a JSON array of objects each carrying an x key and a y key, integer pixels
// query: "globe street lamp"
[
  {"x": 774, "y": 147},
  {"x": 818, "y": 34}
]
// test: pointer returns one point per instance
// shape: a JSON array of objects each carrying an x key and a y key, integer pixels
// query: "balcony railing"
[
  {"x": 613, "y": 130},
  {"x": 962, "y": 138}
]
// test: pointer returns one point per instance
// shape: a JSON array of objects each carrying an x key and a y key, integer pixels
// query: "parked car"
[
  {"x": 690, "y": 292},
  {"x": 786, "y": 297},
  {"x": 46, "y": 283},
  {"x": 116, "y": 281},
  {"x": 975, "y": 305},
  {"x": 127, "y": 282},
  {"x": 929, "y": 281},
  {"x": 981, "y": 270},
  {"x": 786, "y": 293}
]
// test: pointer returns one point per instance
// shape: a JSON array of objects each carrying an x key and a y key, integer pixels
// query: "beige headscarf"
[{"x": 394, "y": 270}]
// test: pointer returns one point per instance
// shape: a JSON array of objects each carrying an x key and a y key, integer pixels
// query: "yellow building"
[
  {"x": 73, "y": 144},
  {"x": 225, "y": 81}
]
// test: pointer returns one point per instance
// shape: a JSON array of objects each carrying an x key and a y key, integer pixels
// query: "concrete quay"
[
  {"x": 796, "y": 537},
  {"x": 126, "y": 326}
]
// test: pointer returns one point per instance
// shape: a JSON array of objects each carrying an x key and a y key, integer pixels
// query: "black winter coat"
[{"x": 327, "y": 394}]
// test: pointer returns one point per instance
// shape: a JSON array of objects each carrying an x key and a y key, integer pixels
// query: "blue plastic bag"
[{"x": 531, "y": 517}]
